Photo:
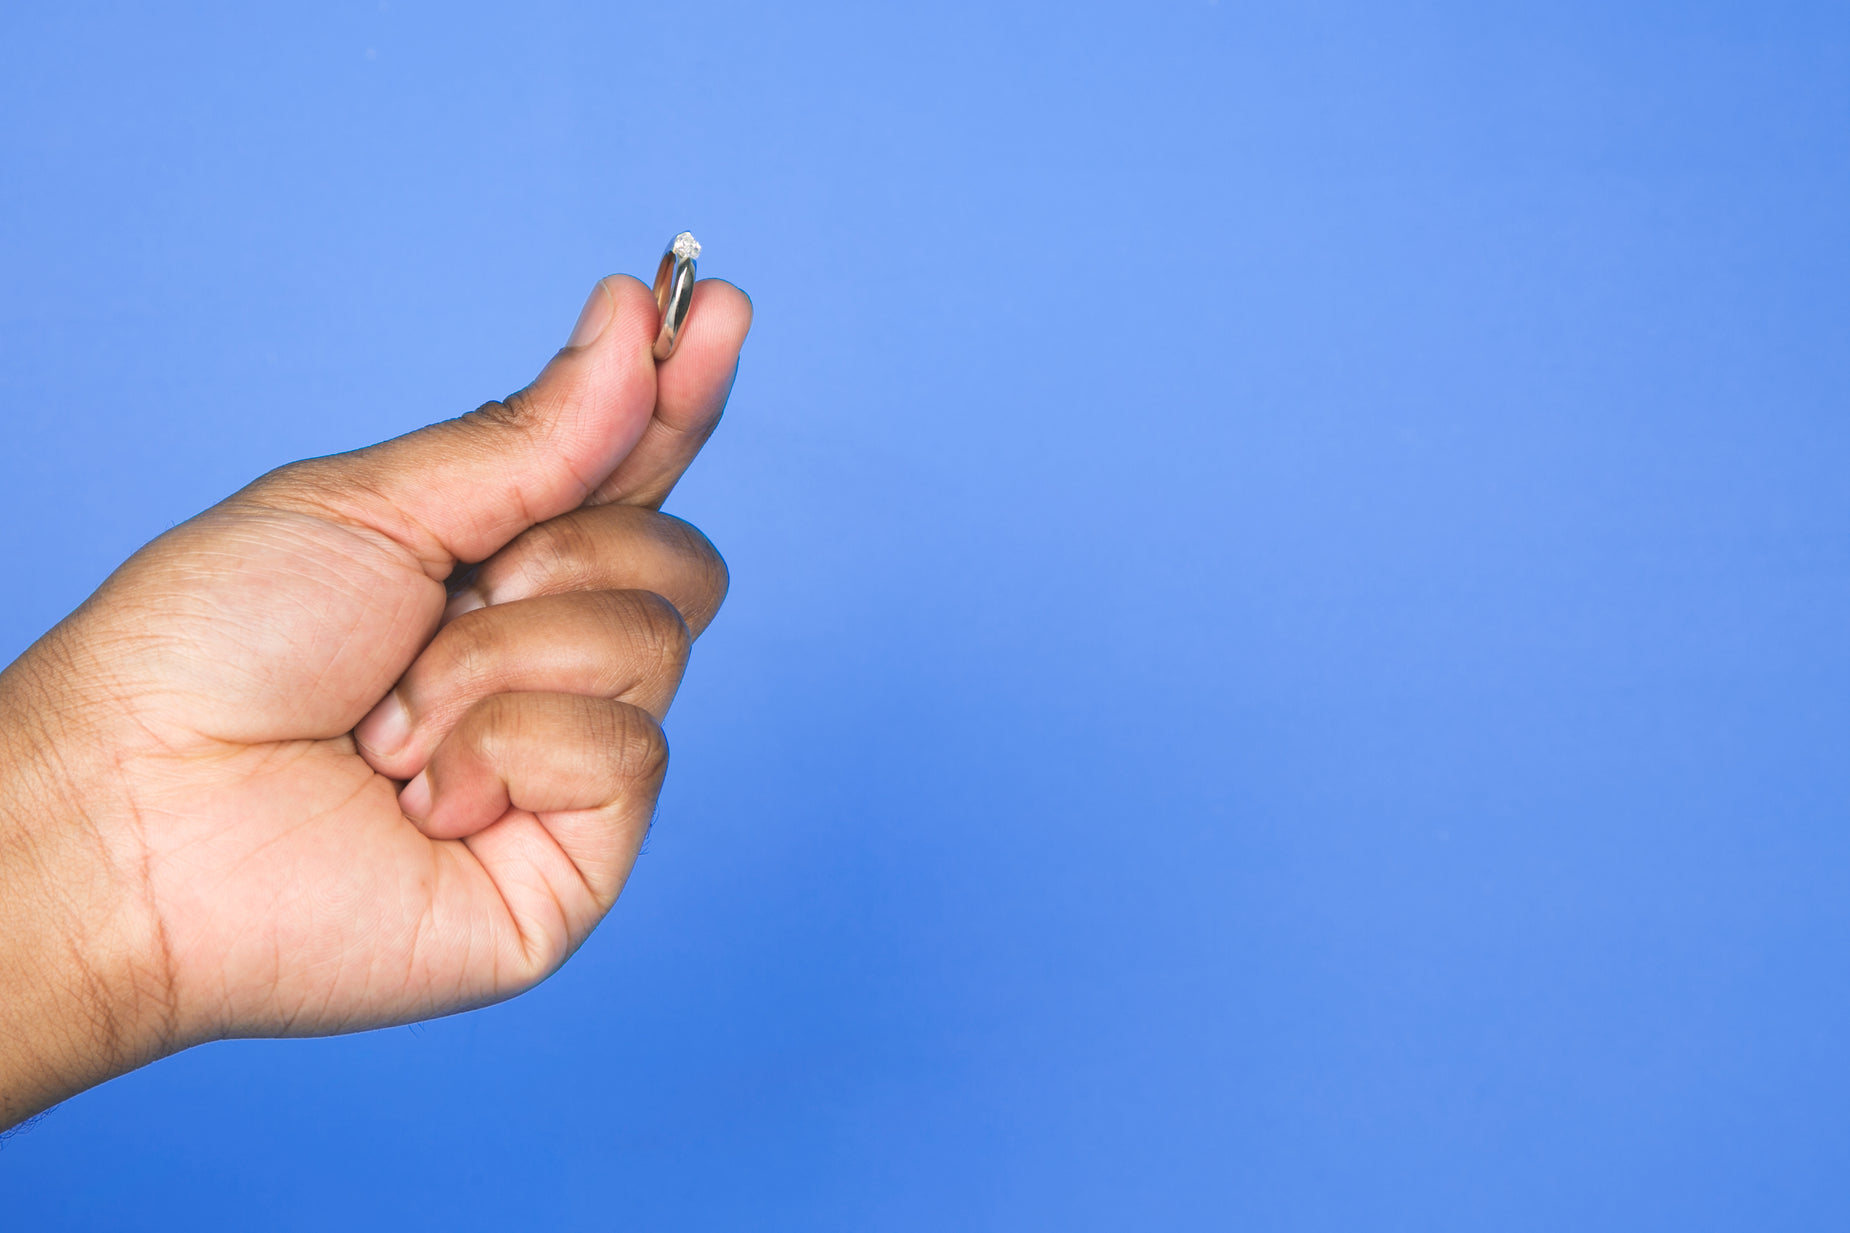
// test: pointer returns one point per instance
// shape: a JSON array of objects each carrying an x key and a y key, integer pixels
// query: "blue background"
[{"x": 1289, "y": 657}]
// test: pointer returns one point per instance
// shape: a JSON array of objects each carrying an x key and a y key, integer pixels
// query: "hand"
[{"x": 194, "y": 844}]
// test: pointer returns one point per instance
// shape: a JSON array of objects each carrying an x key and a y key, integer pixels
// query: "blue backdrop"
[{"x": 1289, "y": 655}]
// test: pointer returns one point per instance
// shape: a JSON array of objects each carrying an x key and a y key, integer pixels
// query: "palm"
[{"x": 293, "y": 893}]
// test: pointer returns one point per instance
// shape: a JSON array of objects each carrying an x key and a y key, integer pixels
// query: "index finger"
[{"x": 691, "y": 388}]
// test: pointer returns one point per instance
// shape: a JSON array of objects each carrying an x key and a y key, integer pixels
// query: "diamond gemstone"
[{"x": 686, "y": 247}]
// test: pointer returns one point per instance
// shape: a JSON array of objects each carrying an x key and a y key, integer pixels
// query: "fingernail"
[
  {"x": 592, "y": 318},
  {"x": 414, "y": 801},
  {"x": 466, "y": 600},
  {"x": 387, "y": 728}
]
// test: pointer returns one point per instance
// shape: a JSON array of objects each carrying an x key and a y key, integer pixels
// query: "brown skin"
[{"x": 193, "y": 843}]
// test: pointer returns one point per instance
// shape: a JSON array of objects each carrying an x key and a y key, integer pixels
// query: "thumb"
[{"x": 458, "y": 490}]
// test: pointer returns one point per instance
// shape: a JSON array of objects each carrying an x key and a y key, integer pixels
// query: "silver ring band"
[{"x": 674, "y": 291}]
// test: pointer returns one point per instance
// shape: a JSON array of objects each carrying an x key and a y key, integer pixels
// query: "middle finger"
[{"x": 609, "y": 548}]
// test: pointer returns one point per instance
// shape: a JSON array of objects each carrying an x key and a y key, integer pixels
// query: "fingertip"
[
  {"x": 594, "y": 397},
  {"x": 385, "y": 729},
  {"x": 593, "y": 317},
  {"x": 728, "y": 311},
  {"x": 630, "y": 333},
  {"x": 415, "y": 798},
  {"x": 693, "y": 384},
  {"x": 465, "y": 601},
  {"x": 691, "y": 389}
]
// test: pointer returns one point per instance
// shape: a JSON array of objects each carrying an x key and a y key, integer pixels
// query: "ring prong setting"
[{"x": 674, "y": 291}]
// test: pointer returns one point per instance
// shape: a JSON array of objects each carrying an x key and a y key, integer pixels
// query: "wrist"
[{"x": 82, "y": 989}]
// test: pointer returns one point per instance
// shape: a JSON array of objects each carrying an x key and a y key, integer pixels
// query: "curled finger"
[{"x": 604, "y": 547}]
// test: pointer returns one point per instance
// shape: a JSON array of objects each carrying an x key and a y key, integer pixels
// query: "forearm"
[{"x": 79, "y": 1002}]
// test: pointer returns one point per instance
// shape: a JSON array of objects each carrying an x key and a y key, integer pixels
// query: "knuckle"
[
  {"x": 560, "y": 551},
  {"x": 486, "y": 431},
  {"x": 652, "y": 625},
  {"x": 715, "y": 580},
  {"x": 315, "y": 485},
  {"x": 510, "y": 412},
  {"x": 718, "y": 578},
  {"x": 555, "y": 555},
  {"x": 488, "y": 724},
  {"x": 638, "y": 747},
  {"x": 468, "y": 649}
]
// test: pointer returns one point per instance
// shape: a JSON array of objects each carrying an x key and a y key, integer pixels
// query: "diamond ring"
[{"x": 674, "y": 291}]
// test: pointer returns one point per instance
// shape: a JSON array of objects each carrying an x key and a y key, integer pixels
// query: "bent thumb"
[{"x": 458, "y": 490}]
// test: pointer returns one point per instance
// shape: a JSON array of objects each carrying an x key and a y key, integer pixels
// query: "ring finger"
[{"x": 630, "y": 646}]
